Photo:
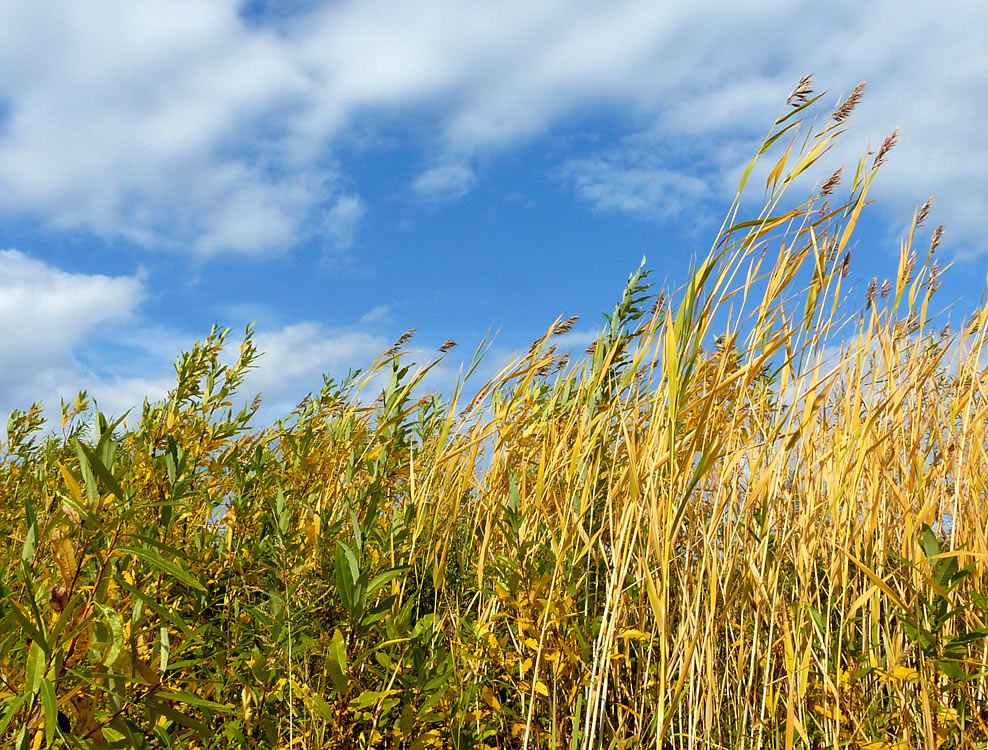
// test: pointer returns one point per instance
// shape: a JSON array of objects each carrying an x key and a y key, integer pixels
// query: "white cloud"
[
  {"x": 192, "y": 126},
  {"x": 343, "y": 220},
  {"x": 446, "y": 182},
  {"x": 295, "y": 357},
  {"x": 376, "y": 314},
  {"x": 610, "y": 183},
  {"x": 47, "y": 315},
  {"x": 45, "y": 312}
]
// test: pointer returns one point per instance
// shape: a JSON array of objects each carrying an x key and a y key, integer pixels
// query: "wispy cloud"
[
  {"x": 610, "y": 183},
  {"x": 446, "y": 182},
  {"x": 376, "y": 314},
  {"x": 203, "y": 127},
  {"x": 343, "y": 220}
]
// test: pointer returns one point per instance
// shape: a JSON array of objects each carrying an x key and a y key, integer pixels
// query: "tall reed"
[{"x": 752, "y": 515}]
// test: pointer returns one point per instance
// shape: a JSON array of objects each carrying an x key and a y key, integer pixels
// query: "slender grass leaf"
[{"x": 165, "y": 566}]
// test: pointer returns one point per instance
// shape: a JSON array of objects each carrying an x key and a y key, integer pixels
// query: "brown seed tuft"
[
  {"x": 565, "y": 326},
  {"x": 801, "y": 93},
  {"x": 447, "y": 345},
  {"x": 935, "y": 240},
  {"x": 887, "y": 145},
  {"x": 845, "y": 109},
  {"x": 592, "y": 349},
  {"x": 845, "y": 266},
  {"x": 402, "y": 340},
  {"x": 924, "y": 211},
  {"x": 886, "y": 288},
  {"x": 830, "y": 184},
  {"x": 870, "y": 294}
]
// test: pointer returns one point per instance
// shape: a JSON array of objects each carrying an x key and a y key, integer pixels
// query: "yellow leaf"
[
  {"x": 773, "y": 176},
  {"x": 903, "y": 674},
  {"x": 491, "y": 699},
  {"x": 72, "y": 485},
  {"x": 636, "y": 635},
  {"x": 541, "y": 688}
]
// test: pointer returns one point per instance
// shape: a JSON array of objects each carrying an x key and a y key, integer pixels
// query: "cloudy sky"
[{"x": 341, "y": 171}]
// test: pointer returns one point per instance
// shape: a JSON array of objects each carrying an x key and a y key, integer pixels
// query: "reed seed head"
[
  {"x": 924, "y": 211},
  {"x": 845, "y": 109},
  {"x": 887, "y": 145},
  {"x": 831, "y": 183},
  {"x": 565, "y": 326},
  {"x": 800, "y": 94}
]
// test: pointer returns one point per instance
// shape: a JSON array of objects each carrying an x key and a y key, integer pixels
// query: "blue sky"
[{"x": 340, "y": 172}]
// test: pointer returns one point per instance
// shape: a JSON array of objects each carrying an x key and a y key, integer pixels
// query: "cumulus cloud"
[
  {"x": 59, "y": 325},
  {"x": 47, "y": 315},
  {"x": 213, "y": 125},
  {"x": 447, "y": 182},
  {"x": 45, "y": 312}
]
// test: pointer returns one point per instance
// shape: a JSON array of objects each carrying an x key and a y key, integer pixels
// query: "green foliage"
[{"x": 682, "y": 540}]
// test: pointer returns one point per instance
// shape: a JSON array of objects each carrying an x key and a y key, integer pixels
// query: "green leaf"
[
  {"x": 164, "y": 649},
  {"x": 321, "y": 708},
  {"x": 14, "y": 704},
  {"x": 50, "y": 705},
  {"x": 369, "y": 698},
  {"x": 103, "y": 473},
  {"x": 337, "y": 662},
  {"x": 344, "y": 579},
  {"x": 18, "y": 613},
  {"x": 34, "y": 670},
  {"x": 116, "y": 634},
  {"x": 166, "y": 566},
  {"x": 30, "y": 540},
  {"x": 151, "y": 604}
]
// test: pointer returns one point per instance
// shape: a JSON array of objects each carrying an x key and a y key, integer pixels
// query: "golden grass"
[{"x": 777, "y": 541}]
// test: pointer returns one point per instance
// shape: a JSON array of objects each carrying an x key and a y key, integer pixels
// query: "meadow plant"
[{"x": 752, "y": 515}]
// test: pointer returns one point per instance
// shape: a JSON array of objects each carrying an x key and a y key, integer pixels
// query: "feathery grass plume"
[
  {"x": 447, "y": 345},
  {"x": 887, "y": 145},
  {"x": 935, "y": 239},
  {"x": 402, "y": 340},
  {"x": 832, "y": 182},
  {"x": 800, "y": 94},
  {"x": 924, "y": 211},
  {"x": 844, "y": 110},
  {"x": 886, "y": 288},
  {"x": 845, "y": 266},
  {"x": 870, "y": 294},
  {"x": 565, "y": 326}
]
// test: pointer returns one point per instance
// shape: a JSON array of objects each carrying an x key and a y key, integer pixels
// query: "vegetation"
[{"x": 752, "y": 515}]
